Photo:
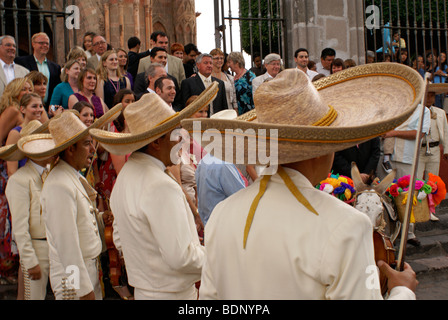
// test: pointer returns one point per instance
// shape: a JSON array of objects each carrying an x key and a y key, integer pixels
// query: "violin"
[
  {"x": 385, "y": 251},
  {"x": 115, "y": 265}
]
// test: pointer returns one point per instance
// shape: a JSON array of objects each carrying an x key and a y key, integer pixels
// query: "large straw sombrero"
[
  {"x": 11, "y": 152},
  {"x": 149, "y": 119},
  {"x": 302, "y": 120},
  {"x": 65, "y": 130}
]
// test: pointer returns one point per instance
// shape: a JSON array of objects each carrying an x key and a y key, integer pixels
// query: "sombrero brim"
[
  {"x": 43, "y": 146},
  {"x": 370, "y": 100},
  {"x": 13, "y": 153},
  {"x": 125, "y": 143}
]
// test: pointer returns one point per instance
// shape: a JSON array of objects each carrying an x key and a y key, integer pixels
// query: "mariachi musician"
[
  {"x": 68, "y": 205},
  {"x": 281, "y": 238}
]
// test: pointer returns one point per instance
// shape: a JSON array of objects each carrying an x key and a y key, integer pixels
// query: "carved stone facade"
[{"x": 118, "y": 20}]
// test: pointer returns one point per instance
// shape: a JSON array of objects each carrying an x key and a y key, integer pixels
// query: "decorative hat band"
[{"x": 328, "y": 119}]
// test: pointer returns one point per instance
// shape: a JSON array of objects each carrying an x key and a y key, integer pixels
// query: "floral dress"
[
  {"x": 9, "y": 258},
  {"x": 243, "y": 88}
]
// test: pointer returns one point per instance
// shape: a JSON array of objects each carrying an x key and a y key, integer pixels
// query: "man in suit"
[
  {"x": 154, "y": 72},
  {"x": 69, "y": 209},
  {"x": 8, "y": 69},
  {"x": 191, "y": 53},
  {"x": 174, "y": 65},
  {"x": 273, "y": 65},
  {"x": 38, "y": 61},
  {"x": 99, "y": 46},
  {"x": 23, "y": 192},
  {"x": 134, "y": 55},
  {"x": 194, "y": 86},
  {"x": 143, "y": 82}
]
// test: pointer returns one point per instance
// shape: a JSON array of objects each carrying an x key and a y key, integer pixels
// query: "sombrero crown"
[
  {"x": 302, "y": 120},
  {"x": 65, "y": 130},
  {"x": 148, "y": 119}
]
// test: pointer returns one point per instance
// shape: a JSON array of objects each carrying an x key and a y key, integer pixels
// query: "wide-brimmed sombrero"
[
  {"x": 149, "y": 119},
  {"x": 11, "y": 152},
  {"x": 295, "y": 119},
  {"x": 65, "y": 130}
]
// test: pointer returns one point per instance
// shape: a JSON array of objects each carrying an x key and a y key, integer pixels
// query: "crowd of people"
[{"x": 162, "y": 249}]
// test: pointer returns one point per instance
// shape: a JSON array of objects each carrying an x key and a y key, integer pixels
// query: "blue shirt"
[
  {"x": 60, "y": 95},
  {"x": 216, "y": 180}
]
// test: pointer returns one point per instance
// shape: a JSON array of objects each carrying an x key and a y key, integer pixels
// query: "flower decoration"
[
  {"x": 340, "y": 186},
  {"x": 440, "y": 193},
  {"x": 434, "y": 188}
]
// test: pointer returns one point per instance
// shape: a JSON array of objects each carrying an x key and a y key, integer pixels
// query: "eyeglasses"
[
  {"x": 218, "y": 58},
  {"x": 43, "y": 43},
  {"x": 99, "y": 42}
]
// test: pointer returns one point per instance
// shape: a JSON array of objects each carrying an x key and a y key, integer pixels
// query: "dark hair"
[
  {"x": 78, "y": 106},
  {"x": 338, "y": 63},
  {"x": 88, "y": 33},
  {"x": 133, "y": 42},
  {"x": 300, "y": 50},
  {"x": 154, "y": 51},
  {"x": 159, "y": 82},
  {"x": 157, "y": 34},
  {"x": 119, "y": 122},
  {"x": 190, "y": 47},
  {"x": 328, "y": 52}
]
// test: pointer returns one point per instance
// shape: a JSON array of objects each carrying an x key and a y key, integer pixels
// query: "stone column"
[
  {"x": 107, "y": 20},
  {"x": 148, "y": 22},
  {"x": 121, "y": 22},
  {"x": 318, "y": 24},
  {"x": 137, "y": 18}
]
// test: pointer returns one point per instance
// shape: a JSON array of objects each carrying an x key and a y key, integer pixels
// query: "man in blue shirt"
[{"x": 216, "y": 180}]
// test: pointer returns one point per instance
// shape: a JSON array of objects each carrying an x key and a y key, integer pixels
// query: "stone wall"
[{"x": 318, "y": 24}]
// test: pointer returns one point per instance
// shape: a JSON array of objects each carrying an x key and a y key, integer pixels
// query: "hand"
[
  {"x": 406, "y": 278},
  {"x": 108, "y": 217},
  {"x": 58, "y": 111},
  {"x": 89, "y": 296},
  {"x": 35, "y": 273},
  {"x": 389, "y": 134}
]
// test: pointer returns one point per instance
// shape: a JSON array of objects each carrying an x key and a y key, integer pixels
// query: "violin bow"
[{"x": 409, "y": 203}]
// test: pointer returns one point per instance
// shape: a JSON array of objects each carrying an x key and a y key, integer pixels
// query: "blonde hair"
[
  {"x": 101, "y": 70},
  {"x": 12, "y": 92},
  {"x": 68, "y": 65},
  {"x": 76, "y": 53},
  {"x": 33, "y": 38},
  {"x": 217, "y": 52}
]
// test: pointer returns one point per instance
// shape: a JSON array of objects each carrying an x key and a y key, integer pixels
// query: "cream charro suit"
[
  {"x": 72, "y": 230},
  {"x": 291, "y": 253},
  {"x": 175, "y": 67},
  {"x": 156, "y": 230},
  {"x": 19, "y": 72},
  {"x": 23, "y": 192},
  {"x": 438, "y": 132}
]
